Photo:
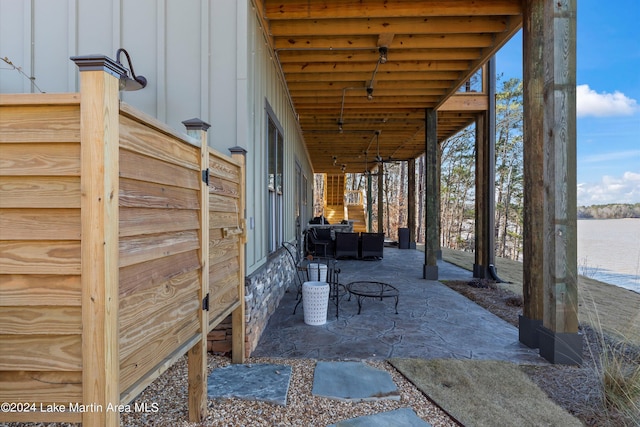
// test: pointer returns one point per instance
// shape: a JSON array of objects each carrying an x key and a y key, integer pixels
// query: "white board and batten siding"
[{"x": 201, "y": 58}]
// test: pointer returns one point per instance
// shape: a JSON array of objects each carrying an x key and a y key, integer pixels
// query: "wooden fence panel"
[
  {"x": 158, "y": 248},
  {"x": 175, "y": 237},
  {"x": 226, "y": 278},
  {"x": 40, "y": 290}
]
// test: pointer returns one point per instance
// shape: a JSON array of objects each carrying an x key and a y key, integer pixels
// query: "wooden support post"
[
  {"x": 438, "y": 199},
  {"x": 432, "y": 239},
  {"x": 533, "y": 216},
  {"x": 485, "y": 179},
  {"x": 550, "y": 138},
  {"x": 238, "y": 323},
  {"x": 197, "y": 355},
  {"x": 411, "y": 202},
  {"x": 559, "y": 339},
  {"x": 99, "y": 123},
  {"x": 369, "y": 204},
  {"x": 481, "y": 263},
  {"x": 381, "y": 198}
]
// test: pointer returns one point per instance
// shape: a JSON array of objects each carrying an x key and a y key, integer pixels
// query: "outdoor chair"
[
  {"x": 346, "y": 245},
  {"x": 319, "y": 242},
  {"x": 371, "y": 245},
  {"x": 299, "y": 269}
]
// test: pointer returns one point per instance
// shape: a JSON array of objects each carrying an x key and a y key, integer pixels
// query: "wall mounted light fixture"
[
  {"x": 129, "y": 83},
  {"x": 383, "y": 54}
]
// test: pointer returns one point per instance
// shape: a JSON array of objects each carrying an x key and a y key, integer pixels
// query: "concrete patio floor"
[{"x": 433, "y": 321}]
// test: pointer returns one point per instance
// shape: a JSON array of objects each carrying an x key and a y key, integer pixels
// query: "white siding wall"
[
  {"x": 202, "y": 58},
  {"x": 266, "y": 85}
]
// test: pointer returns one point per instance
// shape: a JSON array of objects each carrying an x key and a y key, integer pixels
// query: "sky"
[{"x": 608, "y": 99}]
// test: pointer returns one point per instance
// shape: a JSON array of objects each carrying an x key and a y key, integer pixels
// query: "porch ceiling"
[{"x": 328, "y": 51}]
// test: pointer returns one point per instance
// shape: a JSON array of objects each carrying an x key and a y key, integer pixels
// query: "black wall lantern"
[{"x": 129, "y": 83}]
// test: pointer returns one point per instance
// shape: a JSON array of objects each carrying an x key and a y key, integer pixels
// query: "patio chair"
[
  {"x": 346, "y": 245},
  {"x": 319, "y": 242},
  {"x": 299, "y": 269},
  {"x": 372, "y": 245}
]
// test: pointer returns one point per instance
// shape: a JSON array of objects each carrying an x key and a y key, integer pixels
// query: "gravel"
[{"x": 169, "y": 392}]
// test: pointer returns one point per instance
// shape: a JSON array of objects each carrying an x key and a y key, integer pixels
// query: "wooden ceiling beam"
[
  {"x": 465, "y": 102},
  {"x": 365, "y": 77},
  {"x": 501, "y": 39},
  {"x": 376, "y": 102},
  {"x": 363, "y": 67},
  {"x": 353, "y": 93},
  {"x": 440, "y": 41},
  {"x": 422, "y": 103},
  {"x": 287, "y": 9},
  {"x": 410, "y": 25},
  {"x": 371, "y": 56},
  {"x": 357, "y": 122},
  {"x": 384, "y": 84}
]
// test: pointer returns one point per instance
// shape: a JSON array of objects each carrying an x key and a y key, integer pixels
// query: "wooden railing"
[{"x": 353, "y": 197}]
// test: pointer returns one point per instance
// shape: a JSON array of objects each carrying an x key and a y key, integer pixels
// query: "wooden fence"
[{"x": 121, "y": 247}]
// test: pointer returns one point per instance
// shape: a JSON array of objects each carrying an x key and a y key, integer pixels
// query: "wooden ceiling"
[{"x": 329, "y": 52}]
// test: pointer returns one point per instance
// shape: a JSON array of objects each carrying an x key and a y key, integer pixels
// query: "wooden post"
[
  {"x": 533, "y": 216},
  {"x": 438, "y": 199},
  {"x": 411, "y": 202},
  {"x": 550, "y": 318},
  {"x": 485, "y": 179},
  {"x": 197, "y": 355},
  {"x": 99, "y": 122},
  {"x": 381, "y": 198},
  {"x": 480, "y": 266},
  {"x": 238, "y": 324},
  {"x": 369, "y": 204},
  {"x": 559, "y": 338},
  {"x": 431, "y": 238}
]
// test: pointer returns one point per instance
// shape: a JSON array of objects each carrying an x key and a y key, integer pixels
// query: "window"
[{"x": 275, "y": 147}]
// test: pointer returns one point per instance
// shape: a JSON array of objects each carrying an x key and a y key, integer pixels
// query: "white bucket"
[
  {"x": 315, "y": 299},
  {"x": 317, "y": 272}
]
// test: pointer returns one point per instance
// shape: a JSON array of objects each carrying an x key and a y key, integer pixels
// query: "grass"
[
  {"x": 613, "y": 313},
  {"x": 620, "y": 375},
  {"x": 484, "y": 393},
  {"x": 618, "y": 369}
]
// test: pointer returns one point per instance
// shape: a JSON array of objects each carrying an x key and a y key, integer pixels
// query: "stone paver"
[
  {"x": 261, "y": 381},
  {"x": 403, "y": 417},
  {"x": 353, "y": 382}
]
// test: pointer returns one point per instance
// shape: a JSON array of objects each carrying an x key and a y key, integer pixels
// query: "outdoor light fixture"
[
  {"x": 340, "y": 123},
  {"x": 383, "y": 54},
  {"x": 370, "y": 93},
  {"x": 335, "y": 160},
  {"x": 129, "y": 83}
]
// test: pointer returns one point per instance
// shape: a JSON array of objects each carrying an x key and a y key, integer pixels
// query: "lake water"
[{"x": 609, "y": 251}]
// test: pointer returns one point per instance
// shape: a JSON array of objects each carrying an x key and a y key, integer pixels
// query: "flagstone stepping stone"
[
  {"x": 403, "y": 417},
  {"x": 263, "y": 382},
  {"x": 353, "y": 381}
]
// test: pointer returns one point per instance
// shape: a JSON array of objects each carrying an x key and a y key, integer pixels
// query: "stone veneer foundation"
[{"x": 264, "y": 290}]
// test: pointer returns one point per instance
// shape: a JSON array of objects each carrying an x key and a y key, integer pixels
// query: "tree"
[
  {"x": 509, "y": 168},
  {"x": 457, "y": 190},
  {"x": 457, "y": 186},
  {"x": 457, "y": 156}
]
